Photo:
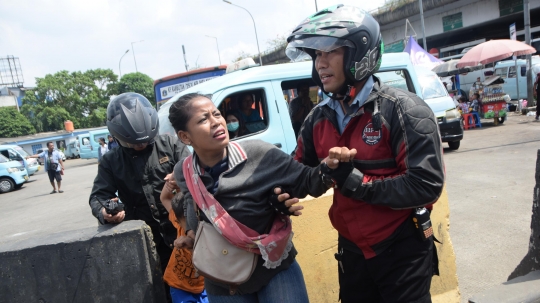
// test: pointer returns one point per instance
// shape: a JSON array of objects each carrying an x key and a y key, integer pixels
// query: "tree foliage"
[
  {"x": 13, "y": 123},
  {"x": 277, "y": 41},
  {"x": 138, "y": 83},
  {"x": 78, "y": 96},
  {"x": 242, "y": 55}
]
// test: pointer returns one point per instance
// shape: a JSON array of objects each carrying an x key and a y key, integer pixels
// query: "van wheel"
[
  {"x": 454, "y": 145},
  {"x": 502, "y": 119},
  {"x": 6, "y": 185}
]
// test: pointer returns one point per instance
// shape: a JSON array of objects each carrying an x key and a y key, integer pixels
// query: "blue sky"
[{"x": 53, "y": 35}]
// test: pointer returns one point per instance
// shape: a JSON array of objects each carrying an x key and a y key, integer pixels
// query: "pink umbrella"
[{"x": 494, "y": 50}]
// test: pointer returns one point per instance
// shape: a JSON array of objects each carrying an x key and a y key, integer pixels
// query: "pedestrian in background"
[
  {"x": 536, "y": 92},
  {"x": 53, "y": 165},
  {"x": 112, "y": 143},
  {"x": 102, "y": 149},
  {"x": 300, "y": 107}
]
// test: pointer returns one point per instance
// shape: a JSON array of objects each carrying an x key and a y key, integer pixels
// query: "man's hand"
[
  {"x": 185, "y": 241},
  {"x": 339, "y": 173},
  {"x": 119, "y": 217},
  {"x": 285, "y": 204}
]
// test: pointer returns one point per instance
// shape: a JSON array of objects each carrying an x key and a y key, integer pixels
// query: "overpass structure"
[{"x": 450, "y": 25}]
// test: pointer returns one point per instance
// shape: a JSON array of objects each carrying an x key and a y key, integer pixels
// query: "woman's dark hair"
[
  {"x": 177, "y": 204},
  {"x": 180, "y": 111},
  {"x": 102, "y": 139}
]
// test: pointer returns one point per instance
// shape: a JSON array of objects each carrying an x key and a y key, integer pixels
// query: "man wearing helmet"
[
  {"x": 135, "y": 171},
  {"x": 398, "y": 167}
]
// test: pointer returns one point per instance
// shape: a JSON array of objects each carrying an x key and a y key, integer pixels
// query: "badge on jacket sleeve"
[
  {"x": 370, "y": 135},
  {"x": 163, "y": 160}
]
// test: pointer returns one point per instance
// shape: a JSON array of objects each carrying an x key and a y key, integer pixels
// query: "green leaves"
[
  {"x": 81, "y": 97},
  {"x": 137, "y": 83},
  {"x": 13, "y": 123}
]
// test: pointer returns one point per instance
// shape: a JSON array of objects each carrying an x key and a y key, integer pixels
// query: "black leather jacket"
[{"x": 137, "y": 179}]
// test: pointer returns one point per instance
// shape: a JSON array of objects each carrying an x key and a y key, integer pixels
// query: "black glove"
[
  {"x": 338, "y": 176},
  {"x": 278, "y": 206}
]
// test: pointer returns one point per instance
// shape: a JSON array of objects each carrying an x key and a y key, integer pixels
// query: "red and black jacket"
[{"x": 398, "y": 166}]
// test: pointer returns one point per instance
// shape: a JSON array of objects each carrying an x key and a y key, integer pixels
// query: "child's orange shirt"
[{"x": 180, "y": 272}]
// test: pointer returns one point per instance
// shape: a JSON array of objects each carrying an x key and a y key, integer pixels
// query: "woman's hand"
[
  {"x": 170, "y": 183},
  {"x": 185, "y": 241}
]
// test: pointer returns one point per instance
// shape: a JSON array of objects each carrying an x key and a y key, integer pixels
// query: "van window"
[
  {"x": 502, "y": 72},
  {"x": 431, "y": 86},
  {"x": 86, "y": 140},
  {"x": 3, "y": 159},
  {"x": 11, "y": 155},
  {"x": 523, "y": 71},
  {"x": 249, "y": 108},
  {"x": 398, "y": 79},
  {"x": 21, "y": 151},
  {"x": 512, "y": 72}
]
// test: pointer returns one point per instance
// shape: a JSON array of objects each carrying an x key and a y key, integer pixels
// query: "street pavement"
[{"x": 490, "y": 182}]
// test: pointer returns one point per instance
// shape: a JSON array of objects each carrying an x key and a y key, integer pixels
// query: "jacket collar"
[{"x": 235, "y": 152}]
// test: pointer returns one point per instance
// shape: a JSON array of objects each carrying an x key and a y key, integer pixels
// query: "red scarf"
[{"x": 274, "y": 246}]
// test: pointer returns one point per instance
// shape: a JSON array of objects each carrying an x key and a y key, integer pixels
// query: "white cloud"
[{"x": 53, "y": 35}]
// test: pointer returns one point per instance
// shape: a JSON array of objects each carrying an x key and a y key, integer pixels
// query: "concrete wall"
[
  {"x": 102, "y": 264},
  {"x": 316, "y": 242}
]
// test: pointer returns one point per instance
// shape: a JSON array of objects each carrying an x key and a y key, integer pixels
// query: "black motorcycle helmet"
[
  {"x": 132, "y": 119},
  {"x": 340, "y": 26}
]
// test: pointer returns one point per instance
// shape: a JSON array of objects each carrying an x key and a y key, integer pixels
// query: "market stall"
[{"x": 492, "y": 99}]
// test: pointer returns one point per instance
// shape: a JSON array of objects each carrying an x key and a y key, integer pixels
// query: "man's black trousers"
[{"x": 401, "y": 273}]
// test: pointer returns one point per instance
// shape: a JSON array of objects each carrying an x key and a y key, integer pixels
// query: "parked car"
[
  {"x": 13, "y": 174},
  {"x": 40, "y": 160},
  {"x": 436, "y": 96},
  {"x": 17, "y": 153},
  {"x": 271, "y": 87}
]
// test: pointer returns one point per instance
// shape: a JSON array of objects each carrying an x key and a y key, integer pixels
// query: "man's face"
[
  {"x": 329, "y": 66},
  {"x": 247, "y": 102},
  {"x": 110, "y": 139},
  {"x": 50, "y": 146}
]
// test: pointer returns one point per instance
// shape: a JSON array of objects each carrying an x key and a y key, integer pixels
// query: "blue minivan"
[
  {"x": 17, "y": 153},
  {"x": 12, "y": 175},
  {"x": 272, "y": 87},
  {"x": 89, "y": 143}
]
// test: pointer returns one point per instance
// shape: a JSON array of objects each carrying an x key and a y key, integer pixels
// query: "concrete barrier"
[
  {"x": 115, "y": 263},
  {"x": 316, "y": 242}
]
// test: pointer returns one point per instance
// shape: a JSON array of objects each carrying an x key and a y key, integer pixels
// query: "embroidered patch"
[
  {"x": 163, "y": 160},
  {"x": 370, "y": 135}
]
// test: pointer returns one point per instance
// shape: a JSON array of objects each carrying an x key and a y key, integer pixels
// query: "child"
[
  {"x": 463, "y": 105},
  {"x": 186, "y": 285},
  {"x": 475, "y": 102}
]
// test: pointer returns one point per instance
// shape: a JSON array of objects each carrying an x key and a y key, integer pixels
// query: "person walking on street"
[
  {"x": 53, "y": 165},
  {"x": 398, "y": 175},
  {"x": 111, "y": 144},
  {"x": 536, "y": 92},
  {"x": 300, "y": 107},
  {"x": 103, "y": 148}
]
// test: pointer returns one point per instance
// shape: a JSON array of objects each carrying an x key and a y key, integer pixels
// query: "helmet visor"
[{"x": 296, "y": 49}]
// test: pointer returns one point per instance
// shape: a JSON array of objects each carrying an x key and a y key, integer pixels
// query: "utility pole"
[
  {"x": 527, "y": 21},
  {"x": 185, "y": 61},
  {"x": 421, "y": 6}
]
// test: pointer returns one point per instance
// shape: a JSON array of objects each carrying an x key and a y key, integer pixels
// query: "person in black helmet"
[
  {"x": 135, "y": 171},
  {"x": 398, "y": 167}
]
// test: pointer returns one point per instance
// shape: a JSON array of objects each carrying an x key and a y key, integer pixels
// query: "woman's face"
[
  {"x": 206, "y": 128},
  {"x": 231, "y": 118}
]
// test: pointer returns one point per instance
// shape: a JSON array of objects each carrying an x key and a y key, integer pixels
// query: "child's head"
[
  {"x": 178, "y": 205},
  {"x": 461, "y": 99},
  {"x": 476, "y": 96}
]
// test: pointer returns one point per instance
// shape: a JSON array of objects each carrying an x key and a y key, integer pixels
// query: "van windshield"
[
  {"x": 3, "y": 159},
  {"x": 431, "y": 87},
  {"x": 21, "y": 151}
]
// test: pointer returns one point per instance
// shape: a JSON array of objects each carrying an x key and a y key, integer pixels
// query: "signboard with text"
[
  {"x": 508, "y": 7},
  {"x": 452, "y": 22}
]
